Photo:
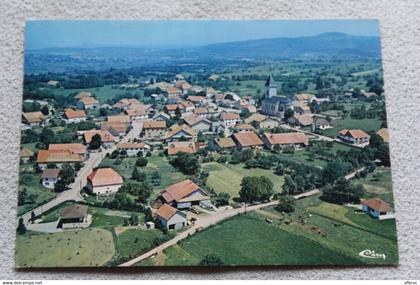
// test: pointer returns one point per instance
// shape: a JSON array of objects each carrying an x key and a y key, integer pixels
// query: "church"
[{"x": 272, "y": 104}]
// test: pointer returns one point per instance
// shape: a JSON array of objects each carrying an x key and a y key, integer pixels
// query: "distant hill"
[{"x": 326, "y": 44}]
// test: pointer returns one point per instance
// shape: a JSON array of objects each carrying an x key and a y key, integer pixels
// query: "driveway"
[{"x": 45, "y": 227}]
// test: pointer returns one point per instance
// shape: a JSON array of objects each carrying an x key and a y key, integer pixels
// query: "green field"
[
  {"x": 348, "y": 123},
  {"x": 40, "y": 195},
  {"x": 227, "y": 177},
  {"x": 379, "y": 184},
  {"x": 333, "y": 234},
  {"x": 75, "y": 248},
  {"x": 134, "y": 242}
]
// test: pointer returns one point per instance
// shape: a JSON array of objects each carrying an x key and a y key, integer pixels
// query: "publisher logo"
[{"x": 367, "y": 253}]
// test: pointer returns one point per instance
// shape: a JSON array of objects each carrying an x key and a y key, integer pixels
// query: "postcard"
[{"x": 204, "y": 143}]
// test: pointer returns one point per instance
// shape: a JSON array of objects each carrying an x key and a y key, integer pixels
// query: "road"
[
  {"x": 206, "y": 221},
  {"x": 134, "y": 132},
  {"x": 73, "y": 194}
]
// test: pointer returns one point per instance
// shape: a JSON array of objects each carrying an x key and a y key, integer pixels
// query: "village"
[{"x": 167, "y": 160}]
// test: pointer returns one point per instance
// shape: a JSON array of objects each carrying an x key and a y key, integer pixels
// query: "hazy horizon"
[{"x": 46, "y": 34}]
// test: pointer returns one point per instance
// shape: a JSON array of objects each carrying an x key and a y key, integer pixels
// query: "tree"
[
  {"x": 286, "y": 204},
  {"x": 221, "y": 199},
  {"x": 254, "y": 189},
  {"x": 148, "y": 215},
  {"x": 289, "y": 185},
  {"x": 67, "y": 174},
  {"x": 251, "y": 163},
  {"x": 211, "y": 260},
  {"x": 134, "y": 220},
  {"x": 342, "y": 191},
  {"x": 333, "y": 170},
  {"x": 279, "y": 169},
  {"x": 77, "y": 166},
  {"x": 382, "y": 153},
  {"x": 47, "y": 136},
  {"x": 141, "y": 190},
  {"x": 288, "y": 114},
  {"x": 141, "y": 162},
  {"x": 96, "y": 142},
  {"x": 21, "y": 228},
  {"x": 135, "y": 175},
  {"x": 186, "y": 163}
]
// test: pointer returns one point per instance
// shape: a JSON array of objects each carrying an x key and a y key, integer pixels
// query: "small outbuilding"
[
  {"x": 49, "y": 177},
  {"x": 170, "y": 218},
  {"x": 75, "y": 216},
  {"x": 378, "y": 209}
]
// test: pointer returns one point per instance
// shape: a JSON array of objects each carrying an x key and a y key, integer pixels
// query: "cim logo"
[{"x": 367, "y": 253}]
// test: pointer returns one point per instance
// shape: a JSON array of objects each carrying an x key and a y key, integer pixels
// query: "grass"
[
  {"x": 227, "y": 177},
  {"x": 75, "y": 248},
  {"x": 40, "y": 195},
  {"x": 133, "y": 242},
  {"x": 379, "y": 184},
  {"x": 348, "y": 123}
]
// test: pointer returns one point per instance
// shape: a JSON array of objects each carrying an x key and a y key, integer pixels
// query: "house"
[
  {"x": 304, "y": 98},
  {"x": 355, "y": 137},
  {"x": 171, "y": 109},
  {"x": 138, "y": 111},
  {"x": 197, "y": 100},
  {"x": 260, "y": 121},
  {"x": 182, "y": 146},
  {"x": 88, "y": 103},
  {"x": 181, "y": 133},
  {"x": 186, "y": 107},
  {"x": 153, "y": 129},
  {"x": 301, "y": 109},
  {"x": 285, "y": 140},
  {"x": 196, "y": 90},
  {"x": 384, "y": 134},
  {"x": 199, "y": 124},
  {"x": 133, "y": 149},
  {"x": 244, "y": 128},
  {"x": 304, "y": 120},
  {"x": 107, "y": 139},
  {"x": 161, "y": 117},
  {"x": 75, "y": 148},
  {"x": 34, "y": 118},
  {"x": 210, "y": 92},
  {"x": 49, "y": 177},
  {"x": 230, "y": 119},
  {"x": 171, "y": 218},
  {"x": 184, "y": 195},
  {"x": 320, "y": 123},
  {"x": 224, "y": 144},
  {"x": 118, "y": 119},
  {"x": 57, "y": 157},
  {"x": 368, "y": 96},
  {"x": 117, "y": 129},
  {"x": 247, "y": 140},
  {"x": 378, "y": 209},
  {"x": 81, "y": 95},
  {"x": 125, "y": 103},
  {"x": 25, "y": 155},
  {"x": 75, "y": 216},
  {"x": 104, "y": 181},
  {"x": 274, "y": 105},
  {"x": 72, "y": 116},
  {"x": 183, "y": 85},
  {"x": 205, "y": 112}
]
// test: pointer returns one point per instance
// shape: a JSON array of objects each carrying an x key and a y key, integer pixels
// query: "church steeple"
[{"x": 272, "y": 87}]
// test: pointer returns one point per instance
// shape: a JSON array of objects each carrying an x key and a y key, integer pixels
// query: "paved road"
[
  {"x": 45, "y": 227},
  {"x": 73, "y": 194},
  {"x": 134, "y": 132}
]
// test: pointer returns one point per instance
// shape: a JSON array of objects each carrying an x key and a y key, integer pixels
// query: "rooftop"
[{"x": 104, "y": 176}]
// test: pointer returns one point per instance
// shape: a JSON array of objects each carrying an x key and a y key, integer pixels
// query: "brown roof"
[
  {"x": 304, "y": 120},
  {"x": 255, "y": 118},
  {"x": 136, "y": 112},
  {"x": 196, "y": 98},
  {"x": 179, "y": 190},
  {"x": 201, "y": 110},
  {"x": 82, "y": 94},
  {"x": 378, "y": 205},
  {"x": 247, "y": 139},
  {"x": 171, "y": 107},
  {"x": 24, "y": 152},
  {"x": 118, "y": 118},
  {"x": 89, "y": 101},
  {"x": 173, "y": 90},
  {"x": 244, "y": 126},
  {"x": 154, "y": 125},
  {"x": 166, "y": 211},
  {"x": 357, "y": 133},
  {"x": 182, "y": 146},
  {"x": 176, "y": 129},
  {"x": 106, "y": 136},
  {"x": 71, "y": 114},
  {"x": 125, "y": 103},
  {"x": 384, "y": 134},
  {"x": 193, "y": 119},
  {"x": 57, "y": 156},
  {"x": 114, "y": 127},
  {"x": 104, "y": 176},
  {"x": 225, "y": 142},
  {"x": 132, "y": 145},
  {"x": 50, "y": 173},
  {"x": 185, "y": 104},
  {"x": 74, "y": 211},
  {"x": 230, "y": 116},
  {"x": 287, "y": 138},
  {"x": 71, "y": 147},
  {"x": 34, "y": 117}
]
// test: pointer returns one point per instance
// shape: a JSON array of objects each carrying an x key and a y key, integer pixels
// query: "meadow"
[{"x": 348, "y": 123}]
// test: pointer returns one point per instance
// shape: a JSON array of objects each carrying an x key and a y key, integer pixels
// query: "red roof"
[
  {"x": 247, "y": 139},
  {"x": 357, "y": 133},
  {"x": 166, "y": 211},
  {"x": 71, "y": 147},
  {"x": 230, "y": 116},
  {"x": 378, "y": 205},
  {"x": 72, "y": 114},
  {"x": 154, "y": 125},
  {"x": 179, "y": 190},
  {"x": 287, "y": 138},
  {"x": 105, "y": 176}
]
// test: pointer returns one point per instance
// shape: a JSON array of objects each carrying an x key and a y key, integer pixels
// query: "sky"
[{"x": 177, "y": 33}]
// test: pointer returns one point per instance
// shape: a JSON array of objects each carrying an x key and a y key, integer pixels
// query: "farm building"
[
  {"x": 33, "y": 118},
  {"x": 285, "y": 139},
  {"x": 225, "y": 144},
  {"x": 104, "y": 181},
  {"x": 304, "y": 120},
  {"x": 72, "y": 116},
  {"x": 171, "y": 218},
  {"x": 134, "y": 149},
  {"x": 320, "y": 123},
  {"x": 76, "y": 148},
  {"x": 75, "y": 216},
  {"x": 107, "y": 139},
  {"x": 260, "y": 121},
  {"x": 184, "y": 194},
  {"x": 247, "y": 140},
  {"x": 355, "y": 137},
  {"x": 57, "y": 157},
  {"x": 199, "y": 124},
  {"x": 182, "y": 146},
  {"x": 88, "y": 103},
  {"x": 378, "y": 209},
  {"x": 180, "y": 133}
]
